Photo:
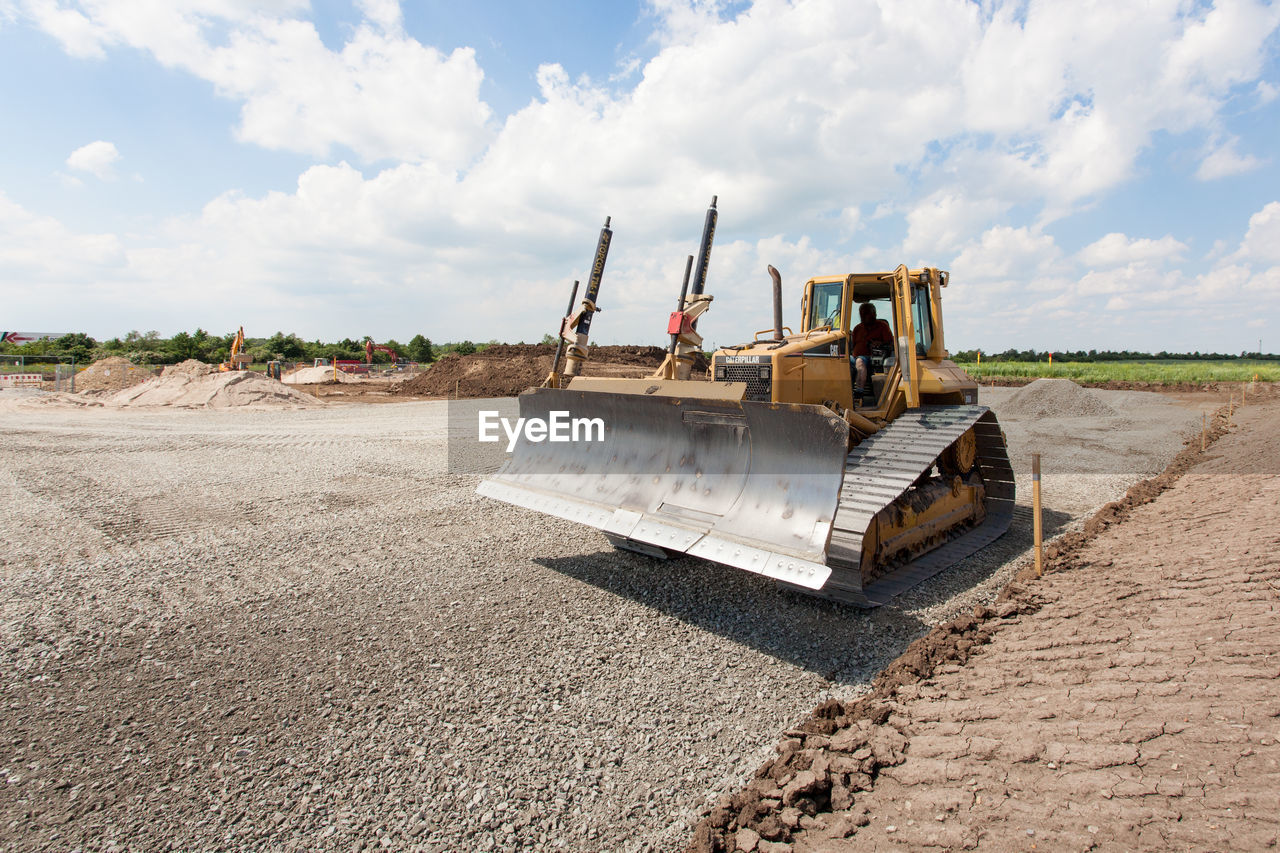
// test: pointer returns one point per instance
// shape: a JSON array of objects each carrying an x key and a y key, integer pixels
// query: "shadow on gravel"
[
  {"x": 844, "y": 645},
  {"x": 1054, "y": 522},
  {"x": 1012, "y": 547}
]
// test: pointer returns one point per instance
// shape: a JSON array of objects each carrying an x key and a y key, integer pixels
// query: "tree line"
[
  {"x": 147, "y": 348},
  {"x": 971, "y": 355}
]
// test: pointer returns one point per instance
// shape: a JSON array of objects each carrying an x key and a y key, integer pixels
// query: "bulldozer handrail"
[{"x": 786, "y": 329}]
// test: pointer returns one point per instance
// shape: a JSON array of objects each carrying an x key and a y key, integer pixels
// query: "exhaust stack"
[{"x": 777, "y": 303}]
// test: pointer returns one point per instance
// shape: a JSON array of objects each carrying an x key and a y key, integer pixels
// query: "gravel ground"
[{"x": 236, "y": 628}]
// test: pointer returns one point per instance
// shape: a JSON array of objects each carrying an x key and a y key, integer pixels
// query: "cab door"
[
  {"x": 904, "y": 326},
  {"x": 826, "y": 375}
]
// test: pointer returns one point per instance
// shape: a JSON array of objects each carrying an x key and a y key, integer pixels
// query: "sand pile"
[
  {"x": 317, "y": 376},
  {"x": 108, "y": 375},
  {"x": 213, "y": 391},
  {"x": 504, "y": 370},
  {"x": 1055, "y": 398},
  {"x": 19, "y": 399},
  {"x": 190, "y": 367}
]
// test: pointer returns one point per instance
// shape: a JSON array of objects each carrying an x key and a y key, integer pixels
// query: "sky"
[{"x": 1094, "y": 175}]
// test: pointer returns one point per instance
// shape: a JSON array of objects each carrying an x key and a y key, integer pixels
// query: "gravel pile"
[
  {"x": 1055, "y": 398},
  {"x": 109, "y": 375},
  {"x": 184, "y": 664}
]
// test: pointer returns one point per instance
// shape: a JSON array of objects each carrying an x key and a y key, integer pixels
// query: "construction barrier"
[{"x": 21, "y": 380}]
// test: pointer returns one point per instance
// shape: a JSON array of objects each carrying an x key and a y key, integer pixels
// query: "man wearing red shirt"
[{"x": 869, "y": 331}]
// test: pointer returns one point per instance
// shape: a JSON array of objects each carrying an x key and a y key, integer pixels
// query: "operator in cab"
[{"x": 869, "y": 331}]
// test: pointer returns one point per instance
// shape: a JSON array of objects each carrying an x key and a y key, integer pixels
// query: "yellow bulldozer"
[{"x": 770, "y": 464}]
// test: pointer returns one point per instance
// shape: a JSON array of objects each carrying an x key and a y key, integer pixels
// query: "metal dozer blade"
[
  {"x": 668, "y": 465},
  {"x": 751, "y": 485}
]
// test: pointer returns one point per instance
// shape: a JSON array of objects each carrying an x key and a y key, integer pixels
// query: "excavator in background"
[
  {"x": 771, "y": 465},
  {"x": 370, "y": 348},
  {"x": 239, "y": 359}
]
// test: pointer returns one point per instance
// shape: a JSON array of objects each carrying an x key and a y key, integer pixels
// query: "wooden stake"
[
  {"x": 1035, "y": 510},
  {"x": 1204, "y": 428}
]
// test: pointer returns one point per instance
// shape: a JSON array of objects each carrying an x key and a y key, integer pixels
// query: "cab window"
[
  {"x": 920, "y": 318},
  {"x": 825, "y": 308}
]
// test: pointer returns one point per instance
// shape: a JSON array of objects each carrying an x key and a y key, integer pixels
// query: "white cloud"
[
  {"x": 385, "y": 13},
  {"x": 1115, "y": 249},
  {"x": 1045, "y": 102},
  {"x": 1124, "y": 279},
  {"x": 383, "y": 95},
  {"x": 942, "y": 222},
  {"x": 928, "y": 130},
  {"x": 96, "y": 158},
  {"x": 1224, "y": 161},
  {"x": 77, "y": 33},
  {"x": 1262, "y": 241},
  {"x": 39, "y": 250},
  {"x": 1007, "y": 253}
]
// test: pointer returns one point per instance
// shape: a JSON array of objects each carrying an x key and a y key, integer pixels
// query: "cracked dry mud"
[
  {"x": 1127, "y": 702},
  {"x": 294, "y": 629}
]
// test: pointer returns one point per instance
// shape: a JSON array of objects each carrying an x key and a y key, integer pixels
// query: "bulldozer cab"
[{"x": 908, "y": 300}]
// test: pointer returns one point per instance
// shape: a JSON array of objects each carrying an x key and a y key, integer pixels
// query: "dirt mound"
[
  {"x": 318, "y": 376},
  {"x": 504, "y": 370},
  {"x": 190, "y": 367},
  {"x": 836, "y": 727},
  {"x": 1055, "y": 398},
  {"x": 213, "y": 391},
  {"x": 108, "y": 375},
  {"x": 479, "y": 375}
]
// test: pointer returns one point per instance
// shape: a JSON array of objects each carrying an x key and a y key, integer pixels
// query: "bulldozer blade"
[{"x": 748, "y": 484}]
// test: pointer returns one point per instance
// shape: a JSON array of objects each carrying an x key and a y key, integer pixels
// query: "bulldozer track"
[{"x": 881, "y": 469}]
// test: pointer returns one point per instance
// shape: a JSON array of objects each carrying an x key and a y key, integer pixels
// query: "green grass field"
[{"x": 1131, "y": 371}]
